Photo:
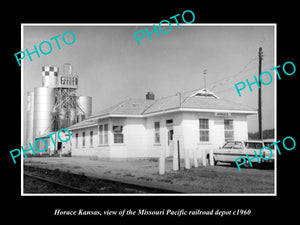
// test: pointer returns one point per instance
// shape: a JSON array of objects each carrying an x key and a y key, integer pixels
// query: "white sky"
[{"x": 112, "y": 67}]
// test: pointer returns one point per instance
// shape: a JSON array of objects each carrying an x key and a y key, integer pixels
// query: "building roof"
[
  {"x": 201, "y": 100},
  {"x": 84, "y": 123},
  {"x": 197, "y": 100}
]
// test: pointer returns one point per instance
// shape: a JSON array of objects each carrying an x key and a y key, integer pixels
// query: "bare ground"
[{"x": 212, "y": 179}]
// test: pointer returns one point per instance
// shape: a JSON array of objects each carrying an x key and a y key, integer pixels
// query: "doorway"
[{"x": 170, "y": 134}]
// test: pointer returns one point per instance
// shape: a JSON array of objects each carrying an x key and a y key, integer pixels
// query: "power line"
[{"x": 234, "y": 75}]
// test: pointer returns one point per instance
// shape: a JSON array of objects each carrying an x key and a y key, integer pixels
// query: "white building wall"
[
  {"x": 240, "y": 127},
  {"x": 191, "y": 131},
  {"x": 88, "y": 149},
  {"x": 139, "y": 138},
  {"x": 135, "y": 139},
  {"x": 153, "y": 149}
]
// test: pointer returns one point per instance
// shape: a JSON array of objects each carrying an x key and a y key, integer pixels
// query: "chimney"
[{"x": 150, "y": 96}]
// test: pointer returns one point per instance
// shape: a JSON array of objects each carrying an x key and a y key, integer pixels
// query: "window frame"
[
  {"x": 201, "y": 130},
  {"x": 157, "y": 139},
  {"x": 83, "y": 139},
  {"x": 118, "y": 134},
  {"x": 228, "y": 131},
  {"x": 91, "y": 138},
  {"x": 76, "y": 140},
  {"x": 103, "y": 134}
]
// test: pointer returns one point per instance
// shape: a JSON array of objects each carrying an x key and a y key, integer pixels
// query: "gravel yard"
[{"x": 218, "y": 179}]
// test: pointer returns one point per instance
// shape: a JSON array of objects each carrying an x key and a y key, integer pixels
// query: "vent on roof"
[{"x": 204, "y": 93}]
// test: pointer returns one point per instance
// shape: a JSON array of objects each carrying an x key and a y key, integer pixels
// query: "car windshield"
[
  {"x": 233, "y": 144},
  {"x": 253, "y": 145}
]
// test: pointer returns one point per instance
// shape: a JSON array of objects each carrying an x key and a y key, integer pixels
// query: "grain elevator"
[{"x": 55, "y": 105}]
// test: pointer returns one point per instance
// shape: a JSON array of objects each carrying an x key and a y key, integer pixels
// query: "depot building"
[{"x": 143, "y": 127}]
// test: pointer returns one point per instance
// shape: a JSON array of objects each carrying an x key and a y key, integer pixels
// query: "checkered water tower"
[{"x": 55, "y": 105}]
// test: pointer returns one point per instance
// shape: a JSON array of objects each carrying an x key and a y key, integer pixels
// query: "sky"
[{"x": 112, "y": 66}]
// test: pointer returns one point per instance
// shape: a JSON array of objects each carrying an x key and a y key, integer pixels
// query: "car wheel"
[{"x": 246, "y": 164}]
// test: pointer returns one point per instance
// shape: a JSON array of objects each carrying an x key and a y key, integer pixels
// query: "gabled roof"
[
  {"x": 200, "y": 99},
  {"x": 197, "y": 100},
  {"x": 127, "y": 107}
]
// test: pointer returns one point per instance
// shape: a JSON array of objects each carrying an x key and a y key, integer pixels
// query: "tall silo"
[
  {"x": 44, "y": 100},
  {"x": 84, "y": 107},
  {"x": 29, "y": 117},
  {"x": 50, "y": 76}
]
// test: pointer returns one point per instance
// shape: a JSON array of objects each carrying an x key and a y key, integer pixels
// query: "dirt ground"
[{"x": 218, "y": 179}]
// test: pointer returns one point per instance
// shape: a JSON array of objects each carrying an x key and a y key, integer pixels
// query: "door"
[{"x": 170, "y": 143}]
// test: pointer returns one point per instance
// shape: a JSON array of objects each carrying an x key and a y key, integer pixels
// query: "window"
[
  {"x": 83, "y": 139},
  {"x": 103, "y": 134},
  {"x": 76, "y": 140},
  {"x": 233, "y": 145},
  {"x": 253, "y": 145},
  {"x": 156, "y": 132},
  {"x": 204, "y": 130},
  {"x": 228, "y": 125},
  {"x": 91, "y": 138},
  {"x": 169, "y": 121},
  {"x": 118, "y": 134},
  {"x": 268, "y": 144}
]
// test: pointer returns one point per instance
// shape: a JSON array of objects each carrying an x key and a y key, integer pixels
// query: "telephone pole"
[{"x": 260, "y": 132}]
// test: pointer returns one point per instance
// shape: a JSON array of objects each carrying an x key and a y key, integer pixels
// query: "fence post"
[
  {"x": 178, "y": 150},
  {"x": 162, "y": 161},
  {"x": 187, "y": 159},
  {"x": 203, "y": 157},
  {"x": 175, "y": 156},
  {"x": 211, "y": 157},
  {"x": 195, "y": 157}
]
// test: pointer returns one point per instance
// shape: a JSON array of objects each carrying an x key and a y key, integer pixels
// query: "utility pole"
[{"x": 260, "y": 132}]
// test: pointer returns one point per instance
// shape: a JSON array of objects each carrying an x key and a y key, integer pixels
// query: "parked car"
[
  {"x": 266, "y": 153},
  {"x": 234, "y": 149}
]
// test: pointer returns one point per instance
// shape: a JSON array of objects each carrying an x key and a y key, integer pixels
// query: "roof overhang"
[
  {"x": 201, "y": 110},
  {"x": 248, "y": 112}
]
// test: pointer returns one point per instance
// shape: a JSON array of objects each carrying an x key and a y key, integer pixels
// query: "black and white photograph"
[
  {"x": 177, "y": 113},
  {"x": 149, "y": 114}
]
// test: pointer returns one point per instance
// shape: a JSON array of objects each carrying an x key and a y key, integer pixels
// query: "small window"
[
  {"x": 204, "y": 130},
  {"x": 103, "y": 134},
  {"x": 118, "y": 134},
  {"x": 76, "y": 140},
  {"x": 157, "y": 132},
  {"x": 228, "y": 128},
  {"x": 83, "y": 139},
  {"x": 91, "y": 138},
  {"x": 169, "y": 121}
]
